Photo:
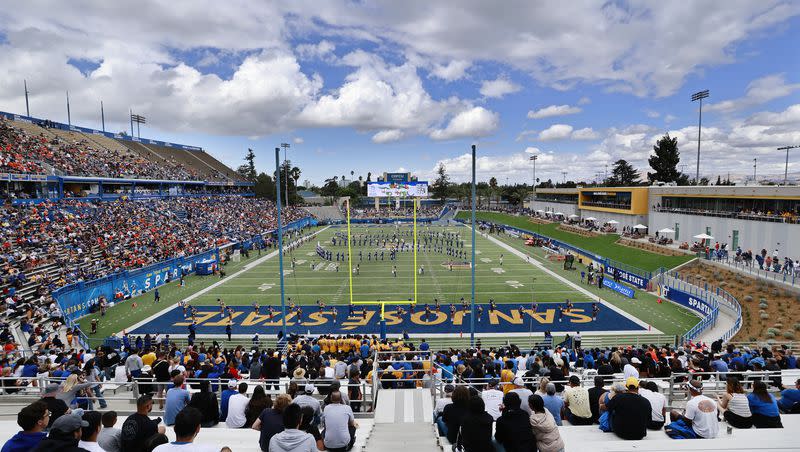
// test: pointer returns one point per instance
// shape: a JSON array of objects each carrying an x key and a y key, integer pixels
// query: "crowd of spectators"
[
  {"x": 524, "y": 394},
  {"x": 82, "y": 241},
  {"x": 388, "y": 212},
  {"x": 21, "y": 152}
]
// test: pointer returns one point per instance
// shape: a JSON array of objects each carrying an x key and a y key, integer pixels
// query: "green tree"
[
  {"x": 665, "y": 162},
  {"x": 250, "y": 158},
  {"x": 623, "y": 175},
  {"x": 492, "y": 189},
  {"x": 265, "y": 187},
  {"x": 440, "y": 186}
]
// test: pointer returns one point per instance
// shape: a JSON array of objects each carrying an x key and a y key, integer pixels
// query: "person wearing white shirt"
[
  {"x": 187, "y": 426},
  {"x": 630, "y": 370},
  {"x": 492, "y": 399},
  {"x": 237, "y": 405},
  {"x": 89, "y": 434},
  {"x": 658, "y": 404},
  {"x": 700, "y": 414}
]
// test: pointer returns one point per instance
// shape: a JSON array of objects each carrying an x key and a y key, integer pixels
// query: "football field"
[{"x": 530, "y": 292}]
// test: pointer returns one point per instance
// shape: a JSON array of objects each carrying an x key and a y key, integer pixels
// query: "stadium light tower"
[
  {"x": 472, "y": 267},
  {"x": 786, "y": 168},
  {"x": 27, "y": 107},
  {"x": 755, "y": 163},
  {"x": 700, "y": 95},
  {"x": 286, "y": 146},
  {"x": 533, "y": 159}
]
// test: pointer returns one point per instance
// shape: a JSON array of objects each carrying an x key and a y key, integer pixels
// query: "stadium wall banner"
[
  {"x": 116, "y": 136},
  {"x": 397, "y": 190},
  {"x": 685, "y": 299},
  {"x": 630, "y": 278},
  {"x": 617, "y": 287},
  {"x": 76, "y": 300}
]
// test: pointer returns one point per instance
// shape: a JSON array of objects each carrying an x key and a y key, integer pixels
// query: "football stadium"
[{"x": 317, "y": 238}]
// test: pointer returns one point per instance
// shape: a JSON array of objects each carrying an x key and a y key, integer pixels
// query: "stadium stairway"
[
  {"x": 403, "y": 422},
  {"x": 329, "y": 213}
]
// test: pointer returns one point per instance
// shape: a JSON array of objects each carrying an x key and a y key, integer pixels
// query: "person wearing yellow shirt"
[
  {"x": 507, "y": 376},
  {"x": 323, "y": 343},
  {"x": 149, "y": 358}
]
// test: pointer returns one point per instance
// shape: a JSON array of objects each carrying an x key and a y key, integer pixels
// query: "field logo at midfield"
[{"x": 365, "y": 320}]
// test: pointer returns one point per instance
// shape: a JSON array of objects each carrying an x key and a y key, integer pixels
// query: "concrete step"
[{"x": 403, "y": 437}]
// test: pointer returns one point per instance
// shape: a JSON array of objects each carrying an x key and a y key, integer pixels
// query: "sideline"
[
  {"x": 536, "y": 263},
  {"x": 246, "y": 268}
]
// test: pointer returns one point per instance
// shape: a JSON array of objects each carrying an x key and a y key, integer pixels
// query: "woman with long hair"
[
  {"x": 454, "y": 413},
  {"x": 764, "y": 407},
  {"x": 734, "y": 404},
  {"x": 259, "y": 401},
  {"x": 206, "y": 402},
  {"x": 70, "y": 389}
]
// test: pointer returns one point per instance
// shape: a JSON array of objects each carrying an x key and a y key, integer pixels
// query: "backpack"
[{"x": 679, "y": 430}]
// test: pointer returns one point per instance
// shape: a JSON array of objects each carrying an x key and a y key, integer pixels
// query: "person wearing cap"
[
  {"x": 57, "y": 407},
  {"x": 632, "y": 369},
  {"x": 138, "y": 428},
  {"x": 226, "y": 396},
  {"x": 492, "y": 399},
  {"x": 513, "y": 429},
  {"x": 522, "y": 391},
  {"x": 33, "y": 419},
  {"x": 177, "y": 399},
  {"x": 629, "y": 412},
  {"x": 306, "y": 399},
  {"x": 576, "y": 402},
  {"x": 65, "y": 434},
  {"x": 700, "y": 414},
  {"x": 237, "y": 405}
]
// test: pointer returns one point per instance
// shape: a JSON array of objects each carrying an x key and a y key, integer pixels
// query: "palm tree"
[{"x": 369, "y": 177}]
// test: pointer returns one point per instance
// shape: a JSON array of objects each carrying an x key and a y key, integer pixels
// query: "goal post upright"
[{"x": 349, "y": 252}]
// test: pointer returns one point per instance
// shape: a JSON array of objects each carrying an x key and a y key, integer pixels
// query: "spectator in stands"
[
  {"x": 548, "y": 439},
  {"x": 734, "y": 405},
  {"x": 134, "y": 364},
  {"x": 476, "y": 428},
  {"x": 454, "y": 413},
  {"x": 441, "y": 403},
  {"x": 71, "y": 387},
  {"x": 790, "y": 399},
  {"x": 594, "y": 397},
  {"x": 554, "y": 403},
  {"x": 270, "y": 422},
  {"x": 307, "y": 399},
  {"x": 187, "y": 426},
  {"x": 90, "y": 432},
  {"x": 57, "y": 407},
  {"x": 177, "y": 399},
  {"x": 658, "y": 404},
  {"x": 33, "y": 419},
  {"x": 226, "y": 395},
  {"x": 340, "y": 425},
  {"x": 576, "y": 402},
  {"x": 292, "y": 439},
  {"x": 205, "y": 402},
  {"x": 236, "y": 408},
  {"x": 521, "y": 390},
  {"x": 492, "y": 398},
  {"x": 513, "y": 429},
  {"x": 764, "y": 407},
  {"x": 109, "y": 438},
  {"x": 630, "y": 412},
  {"x": 257, "y": 404},
  {"x": 701, "y": 412},
  {"x": 65, "y": 434},
  {"x": 138, "y": 428}
]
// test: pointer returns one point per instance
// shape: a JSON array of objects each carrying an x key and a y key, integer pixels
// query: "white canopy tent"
[
  {"x": 704, "y": 237},
  {"x": 574, "y": 216},
  {"x": 612, "y": 222},
  {"x": 666, "y": 231},
  {"x": 558, "y": 214},
  {"x": 640, "y": 226},
  {"x": 590, "y": 219}
]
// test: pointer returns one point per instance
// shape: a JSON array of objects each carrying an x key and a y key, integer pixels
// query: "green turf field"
[
  {"x": 515, "y": 281},
  {"x": 603, "y": 245}
]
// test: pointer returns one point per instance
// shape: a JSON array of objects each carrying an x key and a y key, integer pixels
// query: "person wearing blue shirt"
[
  {"x": 223, "y": 401},
  {"x": 553, "y": 403},
  {"x": 424, "y": 346},
  {"x": 177, "y": 399},
  {"x": 790, "y": 398},
  {"x": 588, "y": 361},
  {"x": 364, "y": 350},
  {"x": 719, "y": 366},
  {"x": 763, "y": 407},
  {"x": 33, "y": 419}
]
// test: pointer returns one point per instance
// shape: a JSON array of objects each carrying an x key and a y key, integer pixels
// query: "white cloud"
[
  {"x": 553, "y": 110},
  {"x": 584, "y": 101},
  {"x": 532, "y": 150},
  {"x": 669, "y": 118},
  {"x": 498, "y": 87},
  {"x": 758, "y": 91},
  {"x": 386, "y": 136},
  {"x": 525, "y": 134},
  {"x": 585, "y": 134},
  {"x": 321, "y": 49},
  {"x": 652, "y": 113},
  {"x": 298, "y": 140},
  {"x": 472, "y": 123},
  {"x": 452, "y": 71},
  {"x": 555, "y": 132},
  {"x": 789, "y": 116}
]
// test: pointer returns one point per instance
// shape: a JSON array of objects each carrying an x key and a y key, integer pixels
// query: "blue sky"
[{"x": 380, "y": 86}]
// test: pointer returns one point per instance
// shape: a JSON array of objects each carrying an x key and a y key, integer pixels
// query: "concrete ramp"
[{"x": 397, "y": 406}]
